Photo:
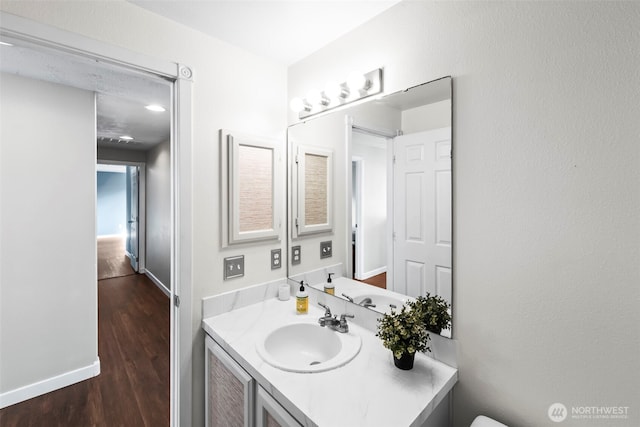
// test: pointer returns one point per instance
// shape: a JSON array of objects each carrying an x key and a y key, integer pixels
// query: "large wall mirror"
[{"x": 391, "y": 195}]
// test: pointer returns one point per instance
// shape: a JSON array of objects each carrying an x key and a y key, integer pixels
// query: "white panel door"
[{"x": 422, "y": 213}]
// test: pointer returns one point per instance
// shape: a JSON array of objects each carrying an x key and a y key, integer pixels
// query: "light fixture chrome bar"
[{"x": 371, "y": 84}]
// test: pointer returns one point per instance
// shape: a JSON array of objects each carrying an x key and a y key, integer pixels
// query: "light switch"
[
  {"x": 233, "y": 267},
  {"x": 325, "y": 249}
]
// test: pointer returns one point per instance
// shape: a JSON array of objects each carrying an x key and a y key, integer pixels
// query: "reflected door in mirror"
[{"x": 422, "y": 213}]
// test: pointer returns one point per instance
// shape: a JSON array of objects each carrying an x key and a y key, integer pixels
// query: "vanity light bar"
[{"x": 356, "y": 87}]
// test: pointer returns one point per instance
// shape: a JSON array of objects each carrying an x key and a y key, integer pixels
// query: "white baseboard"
[
  {"x": 50, "y": 384},
  {"x": 375, "y": 272},
  {"x": 158, "y": 283}
]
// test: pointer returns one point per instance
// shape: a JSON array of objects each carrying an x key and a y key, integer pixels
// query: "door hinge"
[
  {"x": 296, "y": 159},
  {"x": 296, "y": 222},
  {"x": 176, "y": 300}
]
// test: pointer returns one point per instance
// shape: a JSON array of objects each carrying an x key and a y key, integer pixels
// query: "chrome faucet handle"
[
  {"x": 344, "y": 326},
  {"x": 327, "y": 310},
  {"x": 348, "y": 297}
]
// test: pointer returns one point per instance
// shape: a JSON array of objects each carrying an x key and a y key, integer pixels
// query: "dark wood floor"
[
  {"x": 112, "y": 258},
  {"x": 133, "y": 386},
  {"x": 379, "y": 280}
]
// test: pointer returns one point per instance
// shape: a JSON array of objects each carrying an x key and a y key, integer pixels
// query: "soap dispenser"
[
  {"x": 302, "y": 300},
  {"x": 329, "y": 287}
]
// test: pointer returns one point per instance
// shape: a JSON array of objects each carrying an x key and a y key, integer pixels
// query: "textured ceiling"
[{"x": 122, "y": 94}]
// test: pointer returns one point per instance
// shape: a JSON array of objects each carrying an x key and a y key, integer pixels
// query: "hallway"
[
  {"x": 133, "y": 386},
  {"x": 112, "y": 258}
]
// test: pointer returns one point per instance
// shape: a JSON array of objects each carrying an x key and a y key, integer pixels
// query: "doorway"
[
  {"x": 370, "y": 193},
  {"x": 57, "y": 42},
  {"x": 121, "y": 217}
]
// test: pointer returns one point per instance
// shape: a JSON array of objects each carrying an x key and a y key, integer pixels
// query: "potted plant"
[
  {"x": 434, "y": 311},
  {"x": 403, "y": 333}
]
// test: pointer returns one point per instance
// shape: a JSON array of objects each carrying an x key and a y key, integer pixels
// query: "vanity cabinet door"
[
  {"x": 269, "y": 413},
  {"x": 229, "y": 389}
]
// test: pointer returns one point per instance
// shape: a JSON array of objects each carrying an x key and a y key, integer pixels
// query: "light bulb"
[
  {"x": 155, "y": 107},
  {"x": 357, "y": 81},
  {"x": 298, "y": 105},
  {"x": 335, "y": 90},
  {"x": 126, "y": 138},
  {"x": 315, "y": 97}
]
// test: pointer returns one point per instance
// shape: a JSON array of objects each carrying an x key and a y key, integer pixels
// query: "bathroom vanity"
[{"x": 366, "y": 390}]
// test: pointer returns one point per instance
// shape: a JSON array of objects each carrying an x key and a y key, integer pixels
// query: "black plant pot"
[
  {"x": 405, "y": 362},
  {"x": 434, "y": 329}
]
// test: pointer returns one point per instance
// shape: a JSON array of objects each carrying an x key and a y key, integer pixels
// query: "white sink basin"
[
  {"x": 308, "y": 347},
  {"x": 383, "y": 302}
]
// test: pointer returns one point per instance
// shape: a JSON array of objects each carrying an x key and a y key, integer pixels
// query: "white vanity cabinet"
[
  {"x": 269, "y": 413},
  {"x": 229, "y": 389},
  {"x": 232, "y": 396}
]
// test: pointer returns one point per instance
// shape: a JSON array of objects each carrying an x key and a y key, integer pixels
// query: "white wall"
[
  {"x": 158, "y": 226},
  {"x": 546, "y": 191},
  {"x": 329, "y": 132},
  {"x": 232, "y": 89},
  {"x": 427, "y": 117},
  {"x": 48, "y": 304}
]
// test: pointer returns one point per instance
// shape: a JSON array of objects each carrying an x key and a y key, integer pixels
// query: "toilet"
[{"x": 482, "y": 421}]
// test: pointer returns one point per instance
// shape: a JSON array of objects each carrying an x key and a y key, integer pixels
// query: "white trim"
[
  {"x": 230, "y": 233},
  {"x": 301, "y": 228},
  {"x": 373, "y": 272},
  {"x": 181, "y": 250},
  {"x": 157, "y": 282},
  {"x": 360, "y": 238},
  {"x": 123, "y": 235},
  {"x": 39, "y": 388},
  {"x": 44, "y": 35}
]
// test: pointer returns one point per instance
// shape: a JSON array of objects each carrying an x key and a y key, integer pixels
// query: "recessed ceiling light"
[
  {"x": 5, "y": 44},
  {"x": 155, "y": 107},
  {"x": 126, "y": 138}
]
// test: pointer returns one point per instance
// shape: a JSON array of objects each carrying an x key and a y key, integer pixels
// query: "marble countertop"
[{"x": 367, "y": 391}]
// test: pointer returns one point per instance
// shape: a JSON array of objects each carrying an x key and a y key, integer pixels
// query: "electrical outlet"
[
  {"x": 233, "y": 267},
  {"x": 325, "y": 249},
  {"x": 296, "y": 255},
  {"x": 276, "y": 258}
]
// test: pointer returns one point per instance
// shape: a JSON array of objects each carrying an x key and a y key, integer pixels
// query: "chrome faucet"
[
  {"x": 338, "y": 325},
  {"x": 367, "y": 302},
  {"x": 327, "y": 315},
  {"x": 348, "y": 297}
]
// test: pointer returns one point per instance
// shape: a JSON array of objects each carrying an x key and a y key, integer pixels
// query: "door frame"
[
  {"x": 357, "y": 168},
  {"x": 180, "y": 76},
  {"x": 142, "y": 207}
]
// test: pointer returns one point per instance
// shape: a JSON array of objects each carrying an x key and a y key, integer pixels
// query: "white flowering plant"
[
  {"x": 403, "y": 332},
  {"x": 434, "y": 311}
]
